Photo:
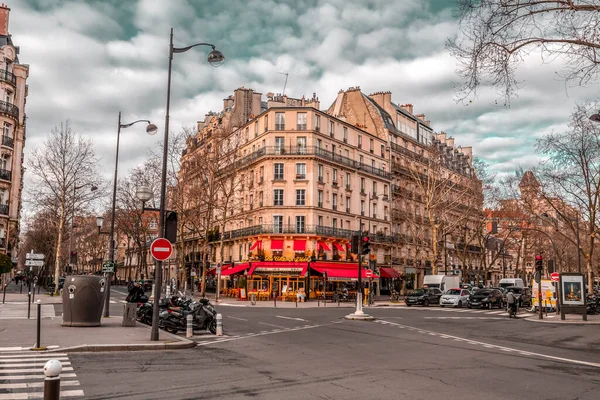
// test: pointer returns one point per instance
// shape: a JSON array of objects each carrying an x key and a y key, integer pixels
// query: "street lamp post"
[
  {"x": 151, "y": 129},
  {"x": 75, "y": 187},
  {"x": 215, "y": 58}
]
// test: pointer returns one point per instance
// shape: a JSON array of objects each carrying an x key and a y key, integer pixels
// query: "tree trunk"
[
  {"x": 434, "y": 245},
  {"x": 61, "y": 224}
]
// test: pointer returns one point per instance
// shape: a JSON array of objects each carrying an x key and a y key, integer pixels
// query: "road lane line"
[
  {"x": 509, "y": 349},
  {"x": 28, "y": 385},
  {"x": 273, "y": 325},
  {"x": 295, "y": 319},
  {"x": 39, "y": 377},
  {"x": 239, "y": 319}
]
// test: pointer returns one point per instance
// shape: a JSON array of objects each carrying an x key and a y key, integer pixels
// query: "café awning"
[
  {"x": 299, "y": 245},
  {"x": 236, "y": 269},
  {"x": 276, "y": 244},
  {"x": 338, "y": 246},
  {"x": 322, "y": 245},
  {"x": 256, "y": 245},
  {"x": 336, "y": 273},
  {"x": 389, "y": 273}
]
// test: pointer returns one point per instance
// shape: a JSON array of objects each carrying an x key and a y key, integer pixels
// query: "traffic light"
[
  {"x": 73, "y": 259},
  {"x": 366, "y": 245},
  {"x": 171, "y": 227},
  {"x": 539, "y": 263},
  {"x": 354, "y": 246}
]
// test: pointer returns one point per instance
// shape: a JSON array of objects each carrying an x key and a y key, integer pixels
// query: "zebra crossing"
[
  {"x": 480, "y": 312},
  {"x": 22, "y": 376}
]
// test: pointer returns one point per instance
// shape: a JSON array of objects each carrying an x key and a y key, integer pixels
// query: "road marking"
[
  {"x": 480, "y": 318},
  {"x": 39, "y": 395},
  {"x": 273, "y": 325},
  {"x": 273, "y": 332},
  {"x": 503, "y": 348},
  {"x": 39, "y": 377},
  {"x": 27, "y": 385},
  {"x": 295, "y": 319},
  {"x": 32, "y": 358},
  {"x": 239, "y": 319},
  {"x": 39, "y": 363},
  {"x": 29, "y": 354},
  {"x": 20, "y": 371}
]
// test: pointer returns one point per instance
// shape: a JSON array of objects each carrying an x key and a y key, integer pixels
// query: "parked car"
[
  {"x": 524, "y": 295},
  {"x": 486, "y": 298},
  {"x": 502, "y": 290},
  {"x": 455, "y": 298},
  {"x": 423, "y": 297}
]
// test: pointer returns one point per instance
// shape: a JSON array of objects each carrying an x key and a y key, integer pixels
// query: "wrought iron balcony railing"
[
  {"x": 5, "y": 174},
  {"x": 4, "y": 209},
  {"x": 9, "y": 109},
  {"x": 8, "y": 141},
  {"x": 8, "y": 77}
]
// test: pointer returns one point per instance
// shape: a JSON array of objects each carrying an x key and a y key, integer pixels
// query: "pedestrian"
[{"x": 135, "y": 293}]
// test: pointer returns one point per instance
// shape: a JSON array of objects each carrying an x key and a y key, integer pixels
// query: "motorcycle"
[
  {"x": 341, "y": 296},
  {"x": 512, "y": 310},
  {"x": 145, "y": 310},
  {"x": 592, "y": 305},
  {"x": 204, "y": 317}
]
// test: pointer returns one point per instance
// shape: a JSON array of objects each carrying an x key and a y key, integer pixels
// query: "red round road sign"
[
  {"x": 369, "y": 273},
  {"x": 554, "y": 276},
  {"x": 161, "y": 249}
]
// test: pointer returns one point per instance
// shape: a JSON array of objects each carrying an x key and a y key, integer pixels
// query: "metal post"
[
  {"x": 4, "y": 294},
  {"x": 503, "y": 263},
  {"x": 21, "y": 290},
  {"x": 541, "y": 315},
  {"x": 33, "y": 294},
  {"x": 578, "y": 246},
  {"x": 163, "y": 189},
  {"x": 190, "y": 326},
  {"x": 39, "y": 324},
  {"x": 219, "y": 325},
  {"x": 52, "y": 371},
  {"x": 274, "y": 299},
  {"x": 29, "y": 305}
]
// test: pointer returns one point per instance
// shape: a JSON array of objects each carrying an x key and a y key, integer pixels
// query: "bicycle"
[{"x": 394, "y": 297}]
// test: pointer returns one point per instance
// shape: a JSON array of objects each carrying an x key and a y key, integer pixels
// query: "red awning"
[
  {"x": 323, "y": 245},
  {"x": 256, "y": 245},
  {"x": 276, "y": 244},
  {"x": 279, "y": 266},
  {"x": 338, "y": 246},
  {"x": 213, "y": 271},
  {"x": 235, "y": 269},
  {"x": 389, "y": 273},
  {"x": 299, "y": 245},
  {"x": 342, "y": 273}
]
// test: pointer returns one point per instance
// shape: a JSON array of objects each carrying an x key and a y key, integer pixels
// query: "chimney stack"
[{"x": 4, "y": 11}]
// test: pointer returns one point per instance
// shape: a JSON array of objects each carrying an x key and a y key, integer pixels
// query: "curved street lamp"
[
  {"x": 215, "y": 58},
  {"x": 151, "y": 129}
]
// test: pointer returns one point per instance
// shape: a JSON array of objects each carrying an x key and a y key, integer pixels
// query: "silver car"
[{"x": 455, "y": 298}]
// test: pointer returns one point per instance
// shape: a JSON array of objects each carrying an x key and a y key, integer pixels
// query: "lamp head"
[
  {"x": 151, "y": 129},
  {"x": 99, "y": 221},
  {"x": 144, "y": 193},
  {"x": 216, "y": 58},
  {"x": 595, "y": 117},
  {"x": 94, "y": 187}
]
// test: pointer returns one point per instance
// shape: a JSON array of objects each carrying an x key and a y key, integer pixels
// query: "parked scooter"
[
  {"x": 145, "y": 310},
  {"x": 341, "y": 296},
  {"x": 592, "y": 304},
  {"x": 204, "y": 317}
]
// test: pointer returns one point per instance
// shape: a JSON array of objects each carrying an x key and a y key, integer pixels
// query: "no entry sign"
[
  {"x": 554, "y": 276},
  {"x": 369, "y": 273},
  {"x": 161, "y": 249}
]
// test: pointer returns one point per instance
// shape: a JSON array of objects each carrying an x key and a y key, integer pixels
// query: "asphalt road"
[{"x": 315, "y": 354}]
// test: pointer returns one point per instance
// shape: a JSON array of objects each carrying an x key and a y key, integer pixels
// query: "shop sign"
[{"x": 288, "y": 259}]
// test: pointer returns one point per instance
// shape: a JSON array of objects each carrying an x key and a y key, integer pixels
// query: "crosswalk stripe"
[
  {"x": 40, "y": 363},
  {"x": 32, "y": 358},
  {"x": 28, "y": 385},
  {"x": 41, "y": 377},
  {"x": 39, "y": 395},
  {"x": 32, "y": 354},
  {"x": 20, "y": 371}
]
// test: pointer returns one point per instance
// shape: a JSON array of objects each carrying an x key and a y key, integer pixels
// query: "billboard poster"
[
  {"x": 572, "y": 290},
  {"x": 547, "y": 294}
]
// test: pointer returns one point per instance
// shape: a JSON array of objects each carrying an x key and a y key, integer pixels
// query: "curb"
[
  {"x": 561, "y": 322},
  {"x": 95, "y": 348}
]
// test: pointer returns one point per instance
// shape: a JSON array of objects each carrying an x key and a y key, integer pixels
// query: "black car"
[
  {"x": 523, "y": 294},
  {"x": 486, "y": 298},
  {"x": 423, "y": 297}
]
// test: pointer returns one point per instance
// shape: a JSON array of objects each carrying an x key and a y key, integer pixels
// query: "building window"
[
  {"x": 279, "y": 144},
  {"x": 347, "y": 204},
  {"x": 279, "y": 121},
  {"x": 347, "y": 180},
  {"x": 335, "y": 176},
  {"x": 320, "y": 220},
  {"x": 300, "y": 224},
  {"x": 371, "y": 145},
  {"x": 320, "y": 198},
  {"x": 278, "y": 169},
  {"x": 374, "y": 210},
  {"x": 262, "y": 174},
  {"x": 320, "y": 172},
  {"x": 334, "y": 223},
  {"x": 301, "y": 121},
  {"x": 331, "y": 132},
  {"x": 373, "y": 164},
  {"x": 251, "y": 201},
  {"x": 334, "y": 201},
  {"x": 6, "y": 131},
  {"x": 362, "y": 185},
  {"x": 385, "y": 190},
  {"x": 260, "y": 199},
  {"x": 345, "y": 135},
  {"x": 255, "y": 128},
  {"x": 277, "y": 223},
  {"x": 266, "y": 122},
  {"x": 382, "y": 150},
  {"x": 301, "y": 144},
  {"x": 360, "y": 141},
  {"x": 301, "y": 171},
  {"x": 278, "y": 197},
  {"x": 362, "y": 208},
  {"x": 374, "y": 188},
  {"x": 319, "y": 144},
  {"x": 317, "y": 123},
  {"x": 300, "y": 197},
  {"x": 347, "y": 153}
]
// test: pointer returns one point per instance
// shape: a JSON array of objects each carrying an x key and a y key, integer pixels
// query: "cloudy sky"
[{"x": 91, "y": 59}]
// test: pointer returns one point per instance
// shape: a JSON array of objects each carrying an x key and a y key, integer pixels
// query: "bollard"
[
  {"x": 296, "y": 301},
  {"x": 52, "y": 371},
  {"x": 21, "y": 290},
  {"x": 29, "y": 305},
  {"x": 274, "y": 299},
  {"x": 38, "y": 342},
  {"x": 33, "y": 294},
  {"x": 39, "y": 287},
  {"x": 190, "y": 326},
  {"x": 4, "y": 295},
  {"x": 219, "y": 325}
]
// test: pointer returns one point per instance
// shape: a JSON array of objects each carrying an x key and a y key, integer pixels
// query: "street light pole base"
[{"x": 360, "y": 317}]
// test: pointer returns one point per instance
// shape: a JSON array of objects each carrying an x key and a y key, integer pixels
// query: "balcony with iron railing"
[
  {"x": 8, "y": 141},
  {"x": 283, "y": 229},
  {"x": 311, "y": 151},
  {"x": 10, "y": 109},
  {"x": 8, "y": 77},
  {"x": 5, "y": 174},
  {"x": 3, "y": 209}
]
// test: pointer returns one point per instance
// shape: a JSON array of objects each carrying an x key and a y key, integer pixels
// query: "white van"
[
  {"x": 508, "y": 282},
  {"x": 442, "y": 282}
]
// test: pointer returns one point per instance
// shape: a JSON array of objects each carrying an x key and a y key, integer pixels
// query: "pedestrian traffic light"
[
  {"x": 171, "y": 227},
  {"x": 73, "y": 259},
  {"x": 366, "y": 245},
  {"x": 354, "y": 246},
  {"x": 539, "y": 263}
]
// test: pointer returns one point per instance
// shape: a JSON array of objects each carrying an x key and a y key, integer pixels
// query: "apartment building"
[{"x": 13, "y": 86}]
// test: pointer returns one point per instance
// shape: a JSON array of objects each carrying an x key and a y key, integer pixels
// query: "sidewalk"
[
  {"x": 14, "y": 295},
  {"x": 18, "y": 333},
  {"x": 313, "y": 303},
  {"x": 570, "y": 319}
]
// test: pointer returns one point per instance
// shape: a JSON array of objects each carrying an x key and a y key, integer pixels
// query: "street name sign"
[
  {"x": 34, "y": 263},
  {"x": 34, "y": 256},
  {"x": 108, "y": 266},
  {"x": 161, "y": 249}
]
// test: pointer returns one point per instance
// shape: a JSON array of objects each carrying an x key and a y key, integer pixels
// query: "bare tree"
[
  {"x": 65, "y": 160},
  {"x": 495, "y": 36}
]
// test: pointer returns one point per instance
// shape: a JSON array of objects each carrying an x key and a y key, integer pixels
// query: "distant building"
[{"x": 13, "y": 87}]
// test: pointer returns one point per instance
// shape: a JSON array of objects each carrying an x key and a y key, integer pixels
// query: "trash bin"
[
  {"x": 129, "y": 311},
  {"x": 83, "y": 300}
]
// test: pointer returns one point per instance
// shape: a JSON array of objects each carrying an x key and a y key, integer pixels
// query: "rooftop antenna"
[{"x": 285, "y": 84}]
